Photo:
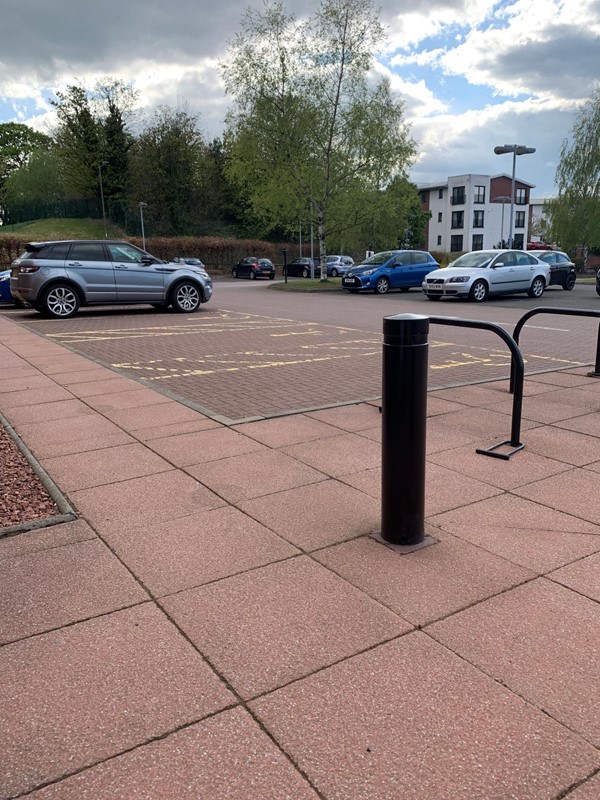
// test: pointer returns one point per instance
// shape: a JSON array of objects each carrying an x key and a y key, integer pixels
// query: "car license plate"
[{"x": 349, "y": 280}]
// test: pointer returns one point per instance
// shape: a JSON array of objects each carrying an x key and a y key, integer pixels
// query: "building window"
[
  {"x": 423, "y": 198},
  {"x": 518, "y": 241},
  {"x": 440, "y": 194},
  {"x": 519, "y": 219},
  {"x": 477, "y": 241},
  {"x": 456, "y": 244},
  {"x": 521, "y": 198},
  {"x": 439, "y": 216},
  {"x": 478, "y": 219},
  {"x": 458, "y": 218},
  {"x": 458, "y": 196},
  {"x": 479, "y": 194},
  {"x": 439, "y": 241}
]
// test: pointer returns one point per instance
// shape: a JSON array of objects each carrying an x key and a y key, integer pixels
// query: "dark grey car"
[{"x": 56, "y": 278}]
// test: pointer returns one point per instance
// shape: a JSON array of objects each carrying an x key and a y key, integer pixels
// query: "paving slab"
[
  {"x": 58, "y": 586},
  {"x": 582, "y": 576},
  {"x": 46, "y": 412},
  {"x": 108, "y": 465},
  {"x": 444, "y": 488},
  {"x": 426, "y": 584},
  {"x": 167, "y": 415},
  {"x": 284, "y": 431},
  {"x": 25, "y": 397},
  {"x": 133, "y": 398},
  {"x": 588, "y": 790},
  {"x": 586, "y": 423},
  {"x": 62, "y": 437},
  {"x": 181, "y": 553},
  {"x": 317, "y": 515},
  {"x": 575, "y": 492},
  {"x": 337, "y": 455},
  {"x": 526, "y": 533},
  {"x": 254, "y": 474},
  {"x": 93, "y": 373},
  {"x": 147, "y": 501},
  {"x": 526, "y": 467},
  {"x": 201, "y": 446},
  {"x": 561, "y": 378},
  {"x": 349, "y": 417},
  {"x": 561, "y": 444},
  {"x": 541, "y": 641},
  {"x": 274, "y": 625},
  {"x": 87, "y": 692},
  {"x": 44, "y": 538},
  {"x": 226, "y": 756},
  {"x": 28, "y": 383},
  {"x": 104, "y": 386},
  {"x": 411, "y": 720}
]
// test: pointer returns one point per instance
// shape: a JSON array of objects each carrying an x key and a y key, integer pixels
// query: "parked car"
[
  {"x": 5, "y": 294},
  {"x": 338, "y": 265},
  {"x": 253, "y": 267},
  {"x": 56, "y": 278},
  {"x": 539, "y": 246},
  {"x": 483, "y": 272},
  {"x": 598, "y": 282},
  {"x": 300, "y": 267},
  {"x": 390, "y": 269},
  {"x": 562, "y": 269}
]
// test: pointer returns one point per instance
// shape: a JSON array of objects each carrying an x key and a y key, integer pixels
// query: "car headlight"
[
  {"x": 459, "y": 279},
  {"x": 369, "y": 271}
]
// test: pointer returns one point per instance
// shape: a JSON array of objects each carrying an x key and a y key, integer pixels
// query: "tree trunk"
[{"x": 322, "y": 250}]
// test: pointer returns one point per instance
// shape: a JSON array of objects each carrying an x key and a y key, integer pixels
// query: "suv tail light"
[{"x": 28, "y": 266}]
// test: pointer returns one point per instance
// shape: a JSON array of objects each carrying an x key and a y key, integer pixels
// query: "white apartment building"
[{"x": 472, "y": 212}]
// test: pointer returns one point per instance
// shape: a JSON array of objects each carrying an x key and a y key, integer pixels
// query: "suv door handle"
[
  {"x": 74, "y": 263},
  {"x": 120, "y": 266}
]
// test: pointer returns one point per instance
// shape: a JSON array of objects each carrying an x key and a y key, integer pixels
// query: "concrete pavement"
[{"x": 219, "y": 623}]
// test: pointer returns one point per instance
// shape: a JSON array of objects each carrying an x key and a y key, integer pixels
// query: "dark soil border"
[{"x": 45, "y": 485}]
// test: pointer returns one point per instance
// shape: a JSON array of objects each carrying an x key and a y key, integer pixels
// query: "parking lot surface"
[{"x": 253, "y": 352}]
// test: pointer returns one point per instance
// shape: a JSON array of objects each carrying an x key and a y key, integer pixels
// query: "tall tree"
[
  {"x": 575, "y": 212},
  {"x": 17, "y": 144},
  {"x": 79, "y": 141},
  {"x": 38, "y": 182},
  {"x": 308, "y": 131},
  {"x": 165, "y": 168}
]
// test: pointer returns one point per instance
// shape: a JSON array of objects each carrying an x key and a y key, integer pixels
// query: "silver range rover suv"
[{"x": 56, "y": 278}]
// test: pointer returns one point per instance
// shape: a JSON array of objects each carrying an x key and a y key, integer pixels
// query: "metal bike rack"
[
  {"x": 573, "y": 312},
  {"x": 517, "y": 369}
]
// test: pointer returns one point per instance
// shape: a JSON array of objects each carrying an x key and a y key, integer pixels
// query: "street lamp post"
[
  {"x": 142, "y": 206},
  {"x": 102, "y": 164},
  {"x": 516, "y": 150},
  {"x": 504, "y": 199}
]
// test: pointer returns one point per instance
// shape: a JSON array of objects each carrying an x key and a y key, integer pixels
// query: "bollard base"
[
  {"x": 593, "y": 374},
  {"x": 404, "y": 549}
]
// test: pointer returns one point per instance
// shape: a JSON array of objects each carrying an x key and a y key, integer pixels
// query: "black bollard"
[{"x": 403, "y": 422}]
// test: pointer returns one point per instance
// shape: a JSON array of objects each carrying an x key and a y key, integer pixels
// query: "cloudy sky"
[{"x": 473, "y": 73}]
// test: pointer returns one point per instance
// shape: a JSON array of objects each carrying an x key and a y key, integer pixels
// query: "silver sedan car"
[{"x": 476, "y": 275}]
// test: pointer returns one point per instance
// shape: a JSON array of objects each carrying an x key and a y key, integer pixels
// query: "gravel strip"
[{"x": 23, "y": 497}]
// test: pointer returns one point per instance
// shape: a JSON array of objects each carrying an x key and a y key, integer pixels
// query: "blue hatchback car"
[{"x": 390, "y": 269}]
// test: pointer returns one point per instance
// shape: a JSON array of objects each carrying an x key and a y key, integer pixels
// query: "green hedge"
[{"x": 218, "y": 254}]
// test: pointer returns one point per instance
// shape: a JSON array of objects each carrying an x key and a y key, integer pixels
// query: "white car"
[{"x": 483, "y": 272}]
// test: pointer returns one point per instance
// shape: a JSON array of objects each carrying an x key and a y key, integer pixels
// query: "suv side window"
[
  {"x": 87, "y": 251},
  {"x": 53, "y": 252},
  {"x": 125, "y": 252}
]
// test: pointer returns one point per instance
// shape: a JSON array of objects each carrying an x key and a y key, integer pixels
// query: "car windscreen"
[
  {"x": 472, "y": 261},
  {"x": 379, "y": 258}
]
